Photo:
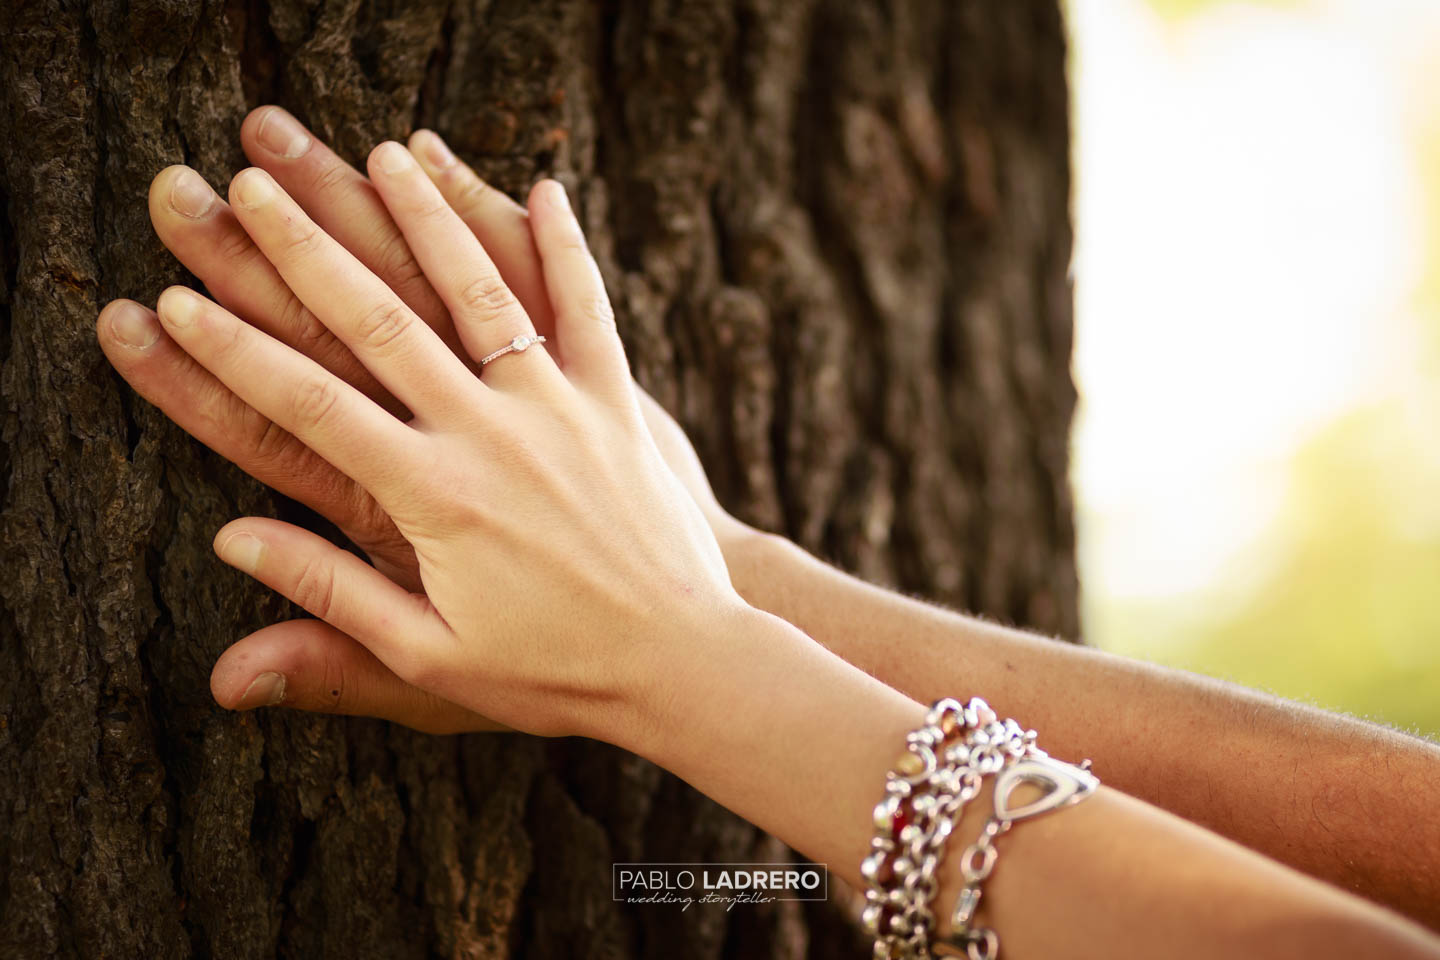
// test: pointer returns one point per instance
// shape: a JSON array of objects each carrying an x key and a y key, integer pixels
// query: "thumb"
[{"x": 310, "y": 665}]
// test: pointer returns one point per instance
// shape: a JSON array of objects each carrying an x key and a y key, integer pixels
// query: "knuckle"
[
  {"x": 272, "y": 445},
  {"x": 330, "y": 177},
  {"x": 383, "y": 325},
  {"x": 467, "y": 191},
  {"x": 302, "y": 239},
  {"x": 432, "y": 210},
  {"x": 236, "y": 249},
  {"x": 315, "y": 588},
  {"x": 361, "y": 518},
  {"x": 464, "y": 189},
  {"x": 315, "y": 399},
  {"x": 372, "y": 526},
  {"x": 572, "y": 240},
  {"x": 308, "y": 334},
  {"x": 597, "y": 307},
  {"x": 222, "y": 408},
  {"x": 393, "y": 260},
  {"x": 487, "y": 297}
]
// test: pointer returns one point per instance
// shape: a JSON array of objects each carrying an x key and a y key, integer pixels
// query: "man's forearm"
[
  {"x": 1343, "y": 800},
  {"x": 791, "y": 737}
]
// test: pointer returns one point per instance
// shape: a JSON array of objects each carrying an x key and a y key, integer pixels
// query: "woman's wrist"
[
  {"x": 686, "y": 674},
  {"x": 767, "y": 722}
]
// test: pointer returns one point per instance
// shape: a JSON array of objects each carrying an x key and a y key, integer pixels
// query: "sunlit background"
[{"x": 1257, "y": 454}]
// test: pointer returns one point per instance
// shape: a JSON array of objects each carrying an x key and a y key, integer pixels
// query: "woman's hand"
[
  {"x": 560, "y": 556},
  {"x": 306, "y": 664}
]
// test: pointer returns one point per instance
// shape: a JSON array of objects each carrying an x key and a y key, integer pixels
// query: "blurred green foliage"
[
  {"x": 1346, "y": 612},
  {"x": 1351, "y": 619}
]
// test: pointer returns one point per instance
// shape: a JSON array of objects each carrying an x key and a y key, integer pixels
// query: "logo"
[{"x": 684, "y": 884}]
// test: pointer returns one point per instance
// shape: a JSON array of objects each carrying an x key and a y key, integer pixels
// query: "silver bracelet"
[
  {"x": 1064, "y": 784},
  {"x": 942, "y": 769}
]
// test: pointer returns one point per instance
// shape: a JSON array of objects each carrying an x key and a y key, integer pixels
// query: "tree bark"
[{"x": 837, "y": 236}]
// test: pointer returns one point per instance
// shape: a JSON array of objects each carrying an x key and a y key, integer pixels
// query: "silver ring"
[{"x": 518, "y": 345}]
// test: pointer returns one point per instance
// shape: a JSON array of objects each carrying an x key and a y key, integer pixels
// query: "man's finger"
[
  {"x": 402, "y": 352},
  {"x": 401, "y": 628},
  {"x": 325, "y": 413},
  {"x": 309, "y": 665},
  {"x": 201, "y": 230},
  {"x": 345, "y": 205},
  {"x": 194, "y": 398}
]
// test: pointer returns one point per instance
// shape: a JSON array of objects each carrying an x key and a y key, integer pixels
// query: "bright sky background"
[{"x": 1251, "y": 251}]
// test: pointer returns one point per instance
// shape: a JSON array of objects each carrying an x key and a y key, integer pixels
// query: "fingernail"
[
  {"x": 282, "y": 134},
  {"x": 254, "y": 188},
  {"x": 556, "y": 194},
  {"x": 178, "y": 307},
  {"x": 266, "y": 690},
  {"x": 435, "y": 150},
  {"x": 393, "y": 158},
  {"x": 190, "y": 195},
  {"x": 243, "y": 551},
  {"x": 133, "y": 326}
]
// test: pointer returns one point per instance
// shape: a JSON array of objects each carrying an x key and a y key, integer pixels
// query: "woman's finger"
[
  {"x": 345, "y": 205},
  {"x": 187, "y": 393},
  {"x": 485, "y": 311},
  {"x": 399, "y": 627},
  {"x": 394, "y": 344},
  {"x": 309, "y": 665},
  {"x": 584, "y": 320},
  {"x": 325, "y": 413},
  {"x": 500, "y": 224},
  {"x": 201, "y": 230}
]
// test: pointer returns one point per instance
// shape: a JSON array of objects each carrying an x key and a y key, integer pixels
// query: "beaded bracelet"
[
  {"x": 944, "y": 764},
  {"x": 923, "y": 800}
]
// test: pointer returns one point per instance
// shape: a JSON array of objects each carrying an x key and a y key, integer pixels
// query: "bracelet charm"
[
  {"x": 1064, "y": 784},
  {"x": 942, "y": 769}
]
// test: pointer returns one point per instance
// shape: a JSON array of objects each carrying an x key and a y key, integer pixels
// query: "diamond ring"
[{"x": 518, "y": 345}]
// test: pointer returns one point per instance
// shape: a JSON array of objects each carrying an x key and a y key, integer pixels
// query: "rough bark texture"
[{"x": 837, "y": 236}]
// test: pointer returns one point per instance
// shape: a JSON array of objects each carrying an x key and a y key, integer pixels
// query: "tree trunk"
[{"x": 837, "y": 237}]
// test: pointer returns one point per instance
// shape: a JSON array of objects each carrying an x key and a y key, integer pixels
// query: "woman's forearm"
[
  {"x": 1349, "y": 802},
  {"x": 773, "y": 726},
  {"x": 603, "y": 606}
]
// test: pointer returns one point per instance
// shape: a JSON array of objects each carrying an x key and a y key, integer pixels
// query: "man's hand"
[
  {"x": 305, "y": 663},
  {"x": 538, "y": 491}
]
